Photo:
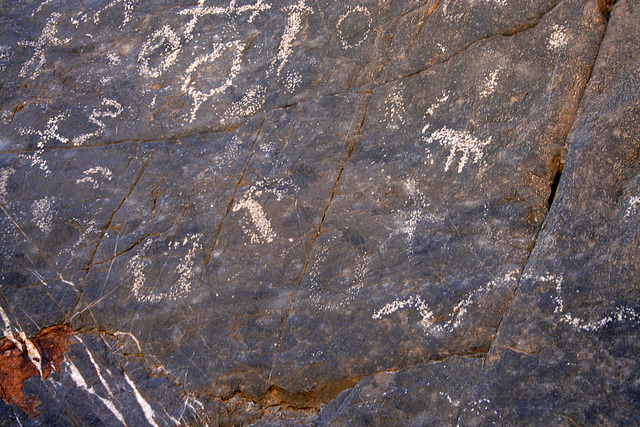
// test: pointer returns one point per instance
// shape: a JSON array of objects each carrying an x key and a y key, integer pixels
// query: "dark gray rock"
[{"x": 311, "y": 212}]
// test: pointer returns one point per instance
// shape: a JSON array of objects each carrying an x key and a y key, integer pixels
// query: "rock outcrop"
[{"x": 307, "y": 212}]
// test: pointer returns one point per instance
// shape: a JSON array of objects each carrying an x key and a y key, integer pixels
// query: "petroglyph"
[
  {"x": 201, "y": 96},
  {"x": 111, "y": 108},
  {"x": 490, "y": 84},
  {"x": 395, "y": 112},
  {"x": 432, "y": 109},
  {"x": 619, "y": 315},
  {"x": 250, "y": 103},
  {"x": 559, "y": 38},
  {"x": 43, "y": 213},
  {"x": 459, "y": 311},
  {"x": 632, "y": 206},
  {"x": 127, "y": 5},
  {"x": 294, "y": 25},
  {"x": 5, "y": 173},
  {"x": 199, "y": 10},
  {"x": 263, "y": 232},
  {"x": 292, "y": 81},
  {"x": 185, "y": 271},
  {"x": 354, "y": 27},
  {"x": 459, "y": 141},
  {"x": 165, "y": 39},
  {"x": 415, "y": 302},
  {"x": 98, "y": 170},
  {"x": 47, "y": 39},
  {"x": 5, "y": 55},
  {"x": 409, "y": 219}
]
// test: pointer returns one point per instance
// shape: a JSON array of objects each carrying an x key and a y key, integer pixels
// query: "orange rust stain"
[{"x": 15, "y": 367}]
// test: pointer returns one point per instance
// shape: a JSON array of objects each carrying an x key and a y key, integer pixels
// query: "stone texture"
[{"x": 319, "y": 213}]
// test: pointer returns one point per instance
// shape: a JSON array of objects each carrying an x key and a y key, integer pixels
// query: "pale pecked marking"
[
  {"x": 47, "y": 38},
  {"x": 413, "y": 301},
  {"x": 200, "y": 96},
  {"x": 364, "y": 15},
  {"x": 294, "y": 25},
  {"x": 459, "y": 141}
]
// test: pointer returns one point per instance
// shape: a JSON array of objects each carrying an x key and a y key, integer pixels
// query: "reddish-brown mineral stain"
[{"x": 16, "y": 367}]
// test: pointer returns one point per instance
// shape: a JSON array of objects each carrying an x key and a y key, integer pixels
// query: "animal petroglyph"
[
  {"x": 458, "y": 141},
  {"x": 262, "y": 225}
]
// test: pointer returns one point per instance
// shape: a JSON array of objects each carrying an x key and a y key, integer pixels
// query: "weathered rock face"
[{"x": 307, "y": 212}]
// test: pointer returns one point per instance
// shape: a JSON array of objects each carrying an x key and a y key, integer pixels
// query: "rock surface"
[{"x": 308, "y": 212}]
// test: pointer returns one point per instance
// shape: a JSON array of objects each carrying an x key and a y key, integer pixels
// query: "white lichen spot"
[
  {"x": 200, "y": 96},
  {"x": 47, "y": 39},
  {"x": 294, "y": 25},
  {"x": 415, "y": 302},
  {"x": 558, "y": 38},
  {"x": 490, "y": 84},
  {"x": 459, "y": 141},
  {"x": 5, "y": 173},
  {"x": 43, "y": 213},
  {"x": 363, "y": 21},
  {"x": 110, "y": 108},
  {"x": 98, "y": 170}
]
